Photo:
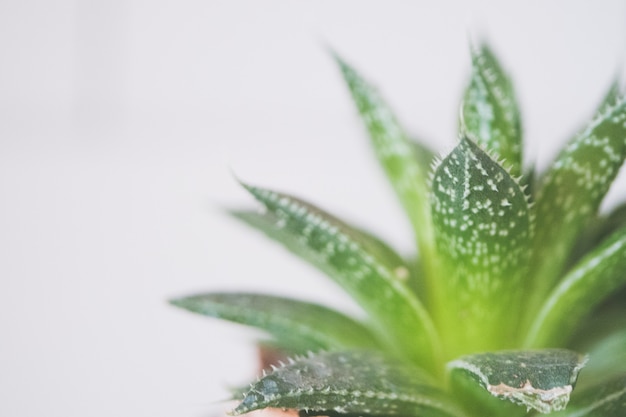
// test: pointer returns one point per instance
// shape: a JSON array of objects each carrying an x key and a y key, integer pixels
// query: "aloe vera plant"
[{"x": 519, "y": 284}]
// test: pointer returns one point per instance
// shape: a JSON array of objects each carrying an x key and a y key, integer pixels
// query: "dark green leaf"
[
  {"x": 598, "y": 230},
  {"x": 607, "y": 357},
  {"x": 406, "y": 169},
  {"x": 376, "y": 286},
  {"x": 490, "y": 114},
  {"x": 607, "y": 399},
  {"x": 589, "y": 282},
  {"x": 572, "y": 190},
  {"x": 538, "y": 379},
  {"x": 483, "y": 230},
  {"x": 603, "y": 335},
  {"x": 291, "y": 322},
  {"x": 348, "y": 382}
]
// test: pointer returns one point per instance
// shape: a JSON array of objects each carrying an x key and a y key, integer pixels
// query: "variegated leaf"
[
  {"x": 539, "y": 379},
  {"x": 352, "y": 382},
  {"x": 379, "y": 289},
  {"x": 490, "y": 113},
  {"x": 297, "y": 324},
  {"x": 590, "y": 281},
  {"x": 483, "y": 230},
  {"x": 407, "y": 170},
  {"x": 572, "y": 190}
]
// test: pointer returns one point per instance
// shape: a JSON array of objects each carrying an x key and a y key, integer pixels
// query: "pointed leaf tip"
[
  {"x": 489, "y": 111},
  {"x": 572, "y": 190},
  {"x": 483, "y": 234},
  {"x": 407, "y": 171}
]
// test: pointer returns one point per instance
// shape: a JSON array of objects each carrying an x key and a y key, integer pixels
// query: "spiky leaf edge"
[
  {"x": 349, "y": 382},
  {"x": 373, "y": 285}
]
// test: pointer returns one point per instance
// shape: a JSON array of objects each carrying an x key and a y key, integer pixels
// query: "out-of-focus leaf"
[
  {"x": 397, "y": 315},
  {"x": 607, "y": 357},
  {"x": 611, "y": 97},
  {"x": 603, "y": 335},
  {"x": 352, "y": 382},
  {"x": 529, "y": 183},
  {"x": 490, "y": 113},
  {"x": 601, "y": 226},
  {"x": 402, "y": 160},
  {"x": 571, "y": 191},
  {"x": 291, "y": 322},
  {"x": 483, "y": 231},
  {"x": 595, "y": 277},
  {"x": 539, "y": 379},
  {"x": 599, "y": 229},
  {"x": 607, "y": 399}
]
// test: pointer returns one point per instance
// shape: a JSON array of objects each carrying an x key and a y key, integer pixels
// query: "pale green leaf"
[
  {"x": 539, "y": 379},
  {"x": 406, "y": 169},
  {"x": 483, "y": 230},
  {"x": 291, "y": 322},
  {"x": 595, "y": 277},
  {"x": 606, "y": 399},
  {"x": 490, "y": 113},
  {"x": 377, "y": 287},
  {"x": 353, "y": 382},
  {"x": 572, "y": 190}
]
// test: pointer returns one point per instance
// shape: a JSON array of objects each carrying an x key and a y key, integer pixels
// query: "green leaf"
[
  {"x": 603, "y": 335},
  {"x": 483, "y": 229},
  {"x": 398, "y": 316},
  {"x": 572, "y": 190},
  {"x": 403, "y": 161},
  {"x": 490, "y": 113},
  {"x": 607, "y": 399},
  {"x": 611, "y": 97},
  {"x": 607, "y": 357},
  {"x": 598, "y": 230},
  {"x": 267, "y": 222},
  {"x": 595, "y": 277},
  {"x": 538, "y": 379},
  {"x": 358, "y": 382},
  {"x": 293, "y": 323},
  {"x": 601, "y": 226},
  {"x": 528, "y": 183}
]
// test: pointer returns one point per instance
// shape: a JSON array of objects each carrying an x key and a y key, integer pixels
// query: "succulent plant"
[{"x": 518, "y": 286}]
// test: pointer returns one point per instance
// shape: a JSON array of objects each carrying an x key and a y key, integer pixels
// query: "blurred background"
[{"x": 122, "y": 122}]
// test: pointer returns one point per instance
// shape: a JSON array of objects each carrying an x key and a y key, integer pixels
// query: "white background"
[{"x": 122, "y": 121}]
